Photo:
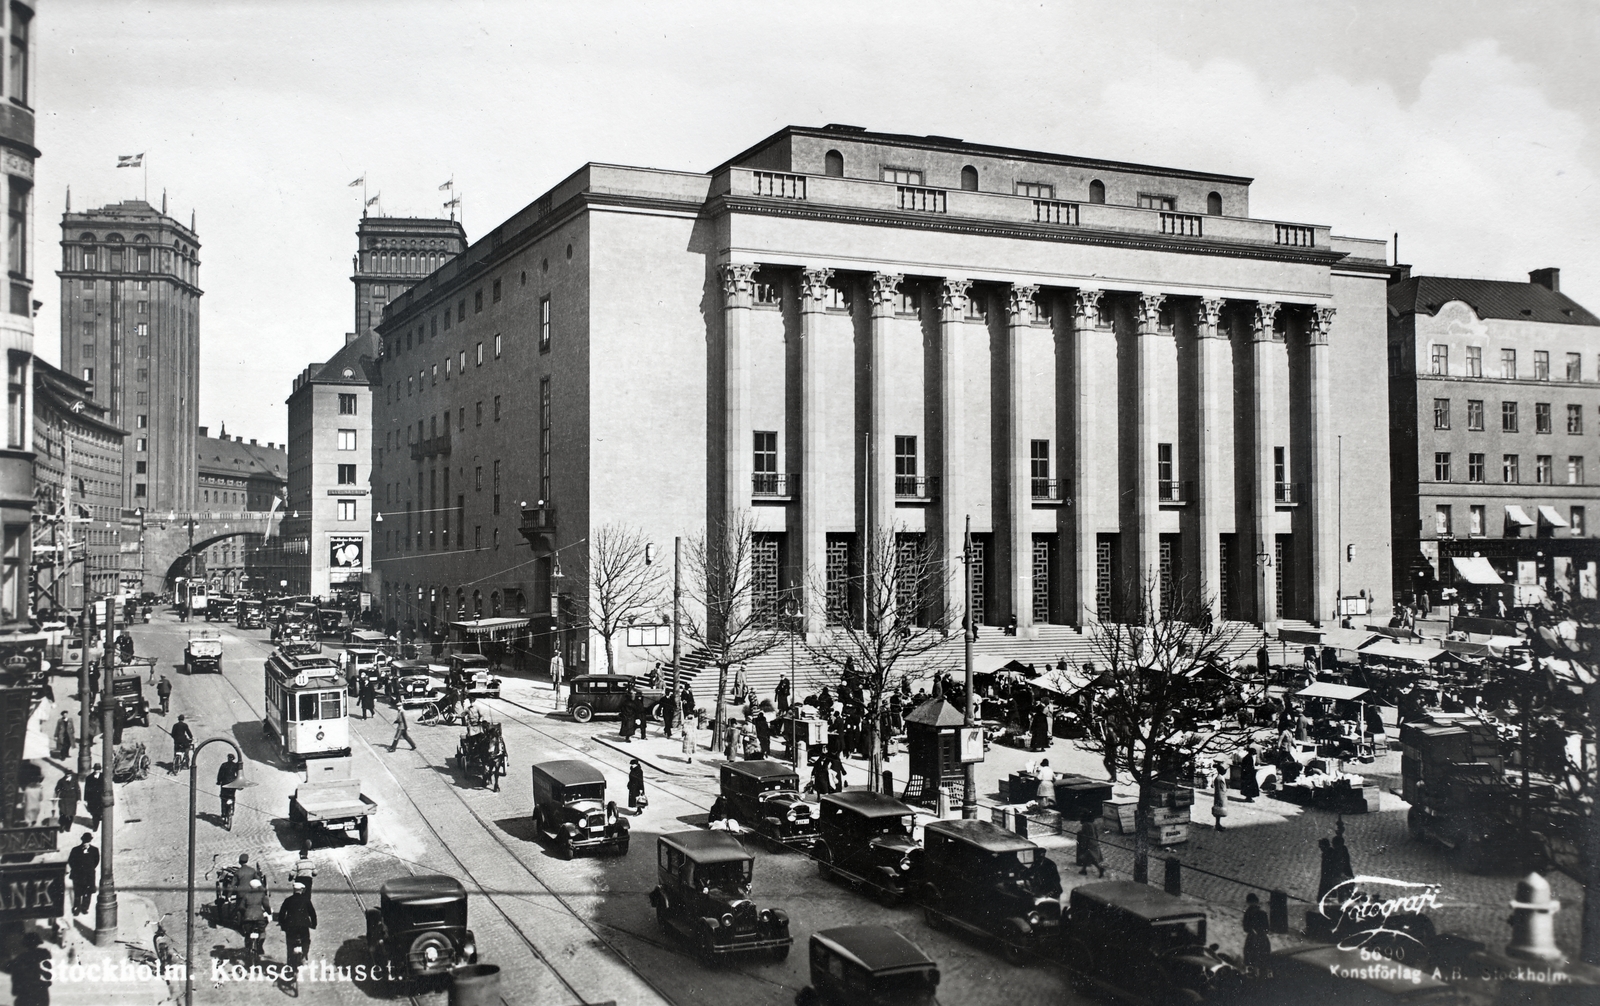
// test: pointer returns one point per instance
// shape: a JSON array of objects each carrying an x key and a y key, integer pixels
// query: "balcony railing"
[
  {"x": 1048, "y": 211},
  {"x": 1288, "y": 493},
  {"x": 774, "y": 484},
  {"x": 1171, "y": 491},
  {"x": 431, "y": 447},
  {"x": 916, "y": 487},
  {"x": 782, "y": 186},
  {"x": 921, "y": 200},
  {"x": 1050, "y": 489},
  {"x": 539, "y": 526},
  {"x": 1296, "y": 235},
  {"x": 1183, "y": 224}
]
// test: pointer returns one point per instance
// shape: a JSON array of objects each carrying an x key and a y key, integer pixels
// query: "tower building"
[
  {"x": 392, "y": 253},
  {"x": 130, "y": 327}
]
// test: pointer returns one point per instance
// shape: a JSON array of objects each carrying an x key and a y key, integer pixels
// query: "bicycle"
[
  {"x": 227, "y": 811},
  {"x": 180, "y": 760}
]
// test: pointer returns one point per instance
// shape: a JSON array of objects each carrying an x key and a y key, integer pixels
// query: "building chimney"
[
  {"x": 1399, "y": 273},
  {"x": 205, "y": 431},
  {"x": 253, "y": 442},
  {"x": 238, "y": 440},
  {"x": 349, "y": 337},
  {"x": 1548, "y": 277}
]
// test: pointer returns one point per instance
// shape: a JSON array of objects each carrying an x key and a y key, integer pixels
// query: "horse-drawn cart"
[{"x": 481, "y": 753}]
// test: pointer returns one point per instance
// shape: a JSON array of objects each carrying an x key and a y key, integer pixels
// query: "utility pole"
[
  {"x": 105, "y": 912},
  {"x": 969, "y": 794},
  {"x": 87, "y": 700},
  {"x": 677, "y": 595}
]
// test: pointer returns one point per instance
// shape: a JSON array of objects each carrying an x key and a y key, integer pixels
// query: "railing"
[
  {"x": 1171, "y": 491},
  {"x": 1296, "y": 235},
  {"x": 1048, "y": 211},
  {"x": 1049, "y": 489},
  {"x": 1184, "y": 224},
  {"x": 432, "y": 446},
  {"x": 916, "y": 487},
  {"x": 782, "y": 186},
  {"x": 774, "y": 483},
  {"x": 921, "y": 200},
  {"x": 1288, "y": 493}
]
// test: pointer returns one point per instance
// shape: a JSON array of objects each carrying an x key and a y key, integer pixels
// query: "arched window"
[
  {"x": 833, "y": 164},
  {"x": 461, "y": 601},
  {"x": 969, "y": 178},
  {"x": 1214, "y": 204},
  {"x": 477, "y": 604},
  {"x": 1097, "y": 191},
  {"x": 494, "y": 604}
]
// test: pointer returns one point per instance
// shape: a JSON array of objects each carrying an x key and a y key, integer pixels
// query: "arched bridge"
[{"x": 170, "y": 538}]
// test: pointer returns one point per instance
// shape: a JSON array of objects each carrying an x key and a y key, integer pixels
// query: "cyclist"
[
  {"x": 182, "y": 744},
  {"x": 227, "y": 772}
]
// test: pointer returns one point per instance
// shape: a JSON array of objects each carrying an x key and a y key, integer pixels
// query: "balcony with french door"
[
  {"x": 774, "y": 485},
  {"x": 913, "y": 489},
  {"x": 1171, "y": 492},
  {"x": 539, "y": 526},
  {"x": 1050, "y": 492},
  {"x": 1287, "y": 494},
  {"x": 432, "y": 447}
]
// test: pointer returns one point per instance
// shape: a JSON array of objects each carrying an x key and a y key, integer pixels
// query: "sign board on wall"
[
  {"x": 346, "y": 552},
  {"x": 971, "y": 744}
]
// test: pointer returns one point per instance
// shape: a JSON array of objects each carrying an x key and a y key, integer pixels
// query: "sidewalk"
[{"x": 121, "y": 974}]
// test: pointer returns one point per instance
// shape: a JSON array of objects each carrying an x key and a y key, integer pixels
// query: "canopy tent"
[
  {"x": 1414, "y": 653},
  {"x": 1475, "y": 569},
  {"x": 1304, "y": 636},
  {"x": 1347, "y": 639},
  {"x": 1494, "y": 646},
  {"x": 487, "y": 626},
  {"x": 1518, "y": 516},
  {"x": 1329, "y": 690},
  {"x": 1549, "y": 516}
]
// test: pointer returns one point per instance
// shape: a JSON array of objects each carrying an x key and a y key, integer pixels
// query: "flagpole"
[{"x": 146, "y": 169}]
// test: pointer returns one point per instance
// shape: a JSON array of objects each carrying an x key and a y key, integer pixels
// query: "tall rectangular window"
[
  {"x": 1575, "y": 470},
  {"x": 905, "y": 466},
  {"x": 1475, "y": 519},
  {"x": 1474, "y": 361},
  {"x": 1541, "y": 469},
  {"x": 764, "y": 460},
  {"x": 1441, "y": 519},
  {"x": 1475, "y": 414},
  {"x": 1441, "y": 466},
  {"x": 1441, "y": 413},
  {"x": 13, "y": 579},
  {"x": 1441, "y": 360},
  {"x": 347, "y": 405},
  {"x": 1575, "y": 521},
  {"x": 1280, "y": 465},
  {"x": 1510, "y": 468},
  {"x": 17, "y": 229},
  {"x": 495, "y": 502},
  {"x": 497, "y": 345},
  {"x": 1039, "y": 468},
  {"x": 347, "y": 475},
  {"x": 1574, "y": 366},
  {"x": 477, "y": 411},
  {"x": 544, "y": 324},
  {"x": 16, "y": 401},
  {"x": 1508, "y": 417},
  {"x": 347, "y": 440},
  {"x": 544, "y": 438},
  {"x": 1574, "y": 419},
  {"x": 1541, "y": 365},
  {"x": 1541, "y": 417},
  {"x": 347, "y": 509},
  {"x": 1508, "y": 363},
  {"x": 497, "y": 408},
  {"x": 19, "y": 53}
]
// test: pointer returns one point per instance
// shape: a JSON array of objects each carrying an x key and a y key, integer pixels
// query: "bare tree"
[
  {"x": 729, "y": 615},
  {"x": 618, "y": 585},
  {"x": 1158, "y": 681},
  {"x": 901, "y": 618}
]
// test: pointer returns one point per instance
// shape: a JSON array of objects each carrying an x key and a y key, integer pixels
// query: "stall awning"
[
  {"x": 1347, "y": 639},
  {"x": 1410, "y": 653},
  {"x": 1518, "y": 516},
  {"x": 1476, "y": 569},
  {"x": 484, "y": 626},
  {"x": 1549, "y": 516},
  {"x": 1329, "y": 690}
]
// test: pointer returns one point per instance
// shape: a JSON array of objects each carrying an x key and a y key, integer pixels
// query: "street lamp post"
[
  {"x": 194, "y": 782},
  {"x": 969, "y": 792},
  {"x": 105, "y": 910}
]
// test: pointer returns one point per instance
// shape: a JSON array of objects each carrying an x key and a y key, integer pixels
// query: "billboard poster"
[{"x": 346, "y": 552}]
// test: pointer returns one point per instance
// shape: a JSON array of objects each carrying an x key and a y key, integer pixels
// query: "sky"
[{"x": 1468, "y": 128}]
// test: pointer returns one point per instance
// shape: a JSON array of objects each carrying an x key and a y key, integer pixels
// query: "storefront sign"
[
  {"x": 347, "y": 491},
  {"x": 346, "y": 553},
  {"x": 32, "y": 891}
]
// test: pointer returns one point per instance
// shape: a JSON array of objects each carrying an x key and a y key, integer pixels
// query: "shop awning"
[
  {"x": 1410, "y": 653},
  {"x": 1518, "y": 516},
  {"x": 1329, "y": 690},
  {"x": 1549, "y": 516},
  {"x": 1347, "y": 639},
  {"x": 484, "y": 626},
  {"x": 1476, "y": 569}
]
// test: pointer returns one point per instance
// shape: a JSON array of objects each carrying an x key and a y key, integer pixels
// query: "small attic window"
[
  {"x": 1528, "y": 311},
  {"x": 833, "y": 164},
  {"x": 1567, "y": 311}
]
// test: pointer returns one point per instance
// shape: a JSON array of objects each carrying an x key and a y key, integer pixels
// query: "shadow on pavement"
[
  {"x": 252, "y": 740},
  {"x": 520, "y": 828}
]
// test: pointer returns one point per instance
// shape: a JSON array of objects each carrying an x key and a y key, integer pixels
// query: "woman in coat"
[
  {"x": 636, "y": 800},
  {"x": 1219, "y": 795},
  {"x": 1089, "y": 851},
  {"x": 1248, "y": 786}
]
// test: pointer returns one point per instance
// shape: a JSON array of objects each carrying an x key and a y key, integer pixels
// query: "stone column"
[
  {"x": 1213, "y": 493},
  {"x": 880, "y": 469},
  {"x": 953, "y": 440},
  {"x": 1325, "y": 546},
  {"x": 813, "y": 449},
  {"x": 1147, "y": 501},
  {"x": 1019, "y": 500},
  {"x": 1089, "y": 330},
  {"x": 1264, "y": 510},
  {"x": 737, "y": 291}
]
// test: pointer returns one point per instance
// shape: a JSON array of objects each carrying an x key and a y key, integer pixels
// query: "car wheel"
[
  {"x": 622, "y": 846},
  {"x": 564, "y": 848},
  {"x": 780, "y": 953},
  {"x": 655, "y": 713},
  {"x": 1016, "y": 953},
  {"x": 824, "y": 862},
  {"x": 582, "y": 714},
  {"x": 932, "y": 917},
  {"x": 661, "y": 918},
  {"x": 1414, "y": 822}
]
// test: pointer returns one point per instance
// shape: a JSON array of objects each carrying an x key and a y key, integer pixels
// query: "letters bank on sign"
[{"x": 32, "y": 891}]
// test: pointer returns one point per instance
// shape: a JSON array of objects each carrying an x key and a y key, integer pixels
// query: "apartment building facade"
[
  {"x": 238, "y": 477},
  {"x": 1113, "y": 369},
  {"x": 77, "y": 471},
  {"x": 1495, "y": 399}
]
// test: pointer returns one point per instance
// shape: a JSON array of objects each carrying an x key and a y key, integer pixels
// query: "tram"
[{"x": 307, "y": 716}]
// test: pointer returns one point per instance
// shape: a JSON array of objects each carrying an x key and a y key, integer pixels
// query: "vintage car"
[
  {"x": 702, "y": 896},
  {"x": 865, "y": 837},
  {"x": 331, "y": 621},
  {"x": 570, "y": 809},
  {"x": 363, "y": 655},
  {"x": 419, "y": 928},
  {"x": 989, "y": 881},
  {"x": 250, "y": 615},
  {"x": 220, "y": 608},
  {"x": 1134, "y": 941},
  {"x": 872, "y": 965},
  {"x": 294, "y": 630},
  {"x": 202, "y": 653},
  {"x": 591, "y": 695},
  {"x": 127, "y": 691},
  {"x": 413, "y": 684},
  {"x": 474, "y": 670},
  {"x": 764, "y": 797}
]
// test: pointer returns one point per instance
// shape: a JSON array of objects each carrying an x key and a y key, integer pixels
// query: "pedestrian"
[
  {"x": 94, "y": 679},
  {"x": 1041, "y": 738},
  {"x": 641, "y": 713},
  {"x": 636, "y": 798},
  {"x": 182, "y": 741},
  {"x": 164, "y": 692},
  {"x": 119, "y": 722},
  {"x": 1219, "y": 795},
  {"x": 83, "y": 866},
  {"x": 305, "y": 870},
  {"x": 1249, "y": 786},
  {"x": 68, "y": 793},
  {"x": 1045, "y": 795},
  {"x": 30, "y": 980},
  {"x": 1089, "y": 851},
  {"x": 369, "y": 696},
  {"x": 557, "y": 668},
  {"x": 297, "y": 916},
  {"x": 781, "y": 693},
  {"x": 1257, "y": 945},
  {"x": 763, "y": 733},
  {"x": 669, "y": 712},
  {"x": 66, "y": 735},
  {"x": 94, "y": 796},
  {"x": 401, "y": 730},
  {"x": 628, "y": 716}
]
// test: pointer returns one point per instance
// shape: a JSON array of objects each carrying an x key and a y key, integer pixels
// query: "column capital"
[
  {"x": 1321, "y": 322},
  {"x": 1019, "y": 301},
  {"x": 1208, "y": 317},
  {"x": 883, "y": 287},
  {"x": 953, "y": 295},
  {"x": 1149, "y": 311},
  {"x": 738, "y": 283},
  {"x": 1265, "y": 320},
  {"x": 814, "y": 287},
  {"x": 1086, "y": 308}
]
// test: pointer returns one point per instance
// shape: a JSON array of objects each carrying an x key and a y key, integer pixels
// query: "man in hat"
[
  {"x": 66, "y": 735},
  {"x": 94, "y": 796},
  {"x": 298, "y": 916},
  {"x": 635, "y": 785},
  {"x": 305, "y": 870},
  {"x": 164, "y": 693},
  {"x": 402, "y": 730},
  {"x": 83, "y": 866},
  {"x": 68, "y": 793},
  {"x": 182, "y": 741},
  {"x": 245, "y": 873},
  {"x": 227, "y": 772}
]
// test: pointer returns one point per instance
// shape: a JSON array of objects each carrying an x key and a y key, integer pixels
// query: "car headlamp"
[
  {"x": 727, "y": 921},
  {"x": 794, "y": 815},
  {"x": 905, "y": 865},
  {"x": 1033, "y": 918},
  {"x": 470, "y": 949}
]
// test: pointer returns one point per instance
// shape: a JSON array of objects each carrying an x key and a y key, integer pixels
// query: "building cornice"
[{"x": 130, "y": 277}]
